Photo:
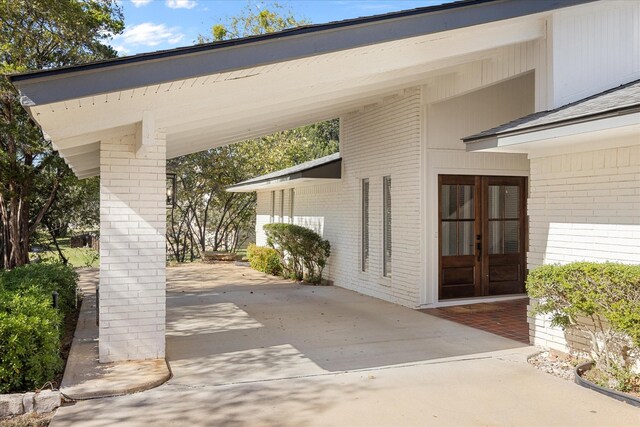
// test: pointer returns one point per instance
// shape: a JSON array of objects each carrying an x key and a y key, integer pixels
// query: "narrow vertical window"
[
  {"x": 386, "y": 224},
  {"x": 281, "y": 205},
  {"x": 365, "y": 224},
  {"x": 273, "y": 207},
  {"x": 292, "y": 193}
]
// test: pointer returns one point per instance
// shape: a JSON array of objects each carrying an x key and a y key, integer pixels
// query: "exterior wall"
[
  {"x": 132, "y": 249},
  {"x": 412, "y": 142},
  {"x": 379, "y": 140},
  {"x": 583, "y": 206},
  {"x": 382, "y": 140},
  {"x": 445, "y": 123},
  {"x": 593, "y": 47}
]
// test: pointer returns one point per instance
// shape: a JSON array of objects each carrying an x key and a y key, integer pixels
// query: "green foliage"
[
  {"x": 264, "y": 259},
  {"x": 30, "y": 327},
  {"x": 303, "y": 253},
  {"x": 606, "y": 293},
  {"x": 29, "y": 340},
  {"x": 46, "y": 278},
  {"x": 38, "y": 34},
  {"x": 255, "y": 19},
  {"x": 206, "y": 215}
]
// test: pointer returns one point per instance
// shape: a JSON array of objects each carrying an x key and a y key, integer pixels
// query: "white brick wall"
[
  {"x": 381, "y": 140},
  {"x": 583, "y": 207},
  {"x": 132, "y": 249}
]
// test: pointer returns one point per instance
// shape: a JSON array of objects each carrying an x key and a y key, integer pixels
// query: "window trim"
[
  {"x": 387, "y": 235},
  {"x": 272, "y": 217},
  {"x": 282, "y": 205},
  {"x": 365, "y": 241},
  {"x": 292, "y": 193}
]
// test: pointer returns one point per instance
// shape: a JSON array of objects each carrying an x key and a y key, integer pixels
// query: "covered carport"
[{"x": 121, "y": 119}]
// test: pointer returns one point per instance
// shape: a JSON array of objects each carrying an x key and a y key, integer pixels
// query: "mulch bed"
[
  {"x": 563, "y": 366},
  {"x": 70, "y": 323}
]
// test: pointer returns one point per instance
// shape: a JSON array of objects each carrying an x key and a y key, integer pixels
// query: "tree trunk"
[{"x": 65, "y": 261}]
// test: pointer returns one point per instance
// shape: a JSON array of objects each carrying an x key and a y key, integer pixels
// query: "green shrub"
[
  {"x": 47, "y": 277},
  {"x": 303, "y": 253},
  {"x": 29, "y": 340},
  {"x": 606, "y": 293},
  {"x": 264, "y": 259},
  {"x": 30, "y": 328}
]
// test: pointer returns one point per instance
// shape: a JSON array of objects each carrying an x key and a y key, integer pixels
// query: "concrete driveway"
[{"x": 248, "y": 349}]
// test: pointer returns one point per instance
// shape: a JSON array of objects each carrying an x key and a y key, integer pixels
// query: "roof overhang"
[
  {"x": 579, "y": 135},
  {"x": 215, "y": 94},
  {"x": 326, "y": 172}
]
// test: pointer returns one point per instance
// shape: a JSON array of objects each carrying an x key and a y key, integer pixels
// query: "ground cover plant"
[
  {"x": 30, "y": 327},
  {"x": 601, "y": 301},
  {"x": 303, "y": 253}
]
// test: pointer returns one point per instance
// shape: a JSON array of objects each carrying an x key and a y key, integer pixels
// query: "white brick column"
[{"x": 132, "y": 247}]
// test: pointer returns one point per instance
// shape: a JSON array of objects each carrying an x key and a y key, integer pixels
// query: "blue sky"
[{"x": 163, "y": 24}]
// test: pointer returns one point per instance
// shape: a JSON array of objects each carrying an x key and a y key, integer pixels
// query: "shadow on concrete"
[{"x": 229, "y": 324}]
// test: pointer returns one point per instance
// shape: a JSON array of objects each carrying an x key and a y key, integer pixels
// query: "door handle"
[{"x": 479, "y": 251}]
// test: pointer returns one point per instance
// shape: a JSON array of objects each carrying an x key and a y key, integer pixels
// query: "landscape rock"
[
  {"x": 27, "y": 402},
  {"x": 10, "y": 404},
  {"x": 47, "y": 401}
]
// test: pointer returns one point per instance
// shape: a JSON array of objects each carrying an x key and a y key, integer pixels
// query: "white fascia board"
[{"x": 509, "y": 143}]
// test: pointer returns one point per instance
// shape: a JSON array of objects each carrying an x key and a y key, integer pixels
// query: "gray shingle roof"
[
  {"x": 292, "y": 170},
  {"x": 622, "y": 99}
]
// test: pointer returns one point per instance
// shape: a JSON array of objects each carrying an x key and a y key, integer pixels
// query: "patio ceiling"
[{"x": 216, "y": 94}]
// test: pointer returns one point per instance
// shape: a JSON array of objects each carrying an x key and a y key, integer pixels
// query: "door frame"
[{"x": 481, "y": 222}]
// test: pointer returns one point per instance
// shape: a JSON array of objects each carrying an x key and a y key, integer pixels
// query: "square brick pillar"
[{"x": 132, "y": 246}]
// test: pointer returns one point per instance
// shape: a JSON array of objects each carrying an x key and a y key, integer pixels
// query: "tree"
[
  {"x": 256, "y": 18},
  {"x": 206, "y": 215},
  {"x": 39, "y": 34}
]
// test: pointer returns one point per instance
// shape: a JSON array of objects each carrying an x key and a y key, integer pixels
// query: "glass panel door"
[
  {"x": 481, "y": 235},
  {"x": 504, "y": 230},
  {"x": 458, "y": 215}
]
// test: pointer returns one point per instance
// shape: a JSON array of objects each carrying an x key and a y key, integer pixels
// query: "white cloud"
[
  {"x": 181, "y": 4},
  {"x": 146, "y": 35},
  {"x": 139, "y": 3}
]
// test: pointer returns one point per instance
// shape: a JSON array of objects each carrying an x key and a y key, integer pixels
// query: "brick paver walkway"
[{"x": 507, "y": 318}]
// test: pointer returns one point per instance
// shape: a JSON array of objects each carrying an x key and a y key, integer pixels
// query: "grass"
[{"x": 77, "y": 257}]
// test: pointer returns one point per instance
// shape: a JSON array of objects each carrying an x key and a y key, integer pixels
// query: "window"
[
  {"x": 386, "y": 226},
  {"x": 281, "y": 205},
  {"x": 292, "y": 193},
  {"x": 365, "y": 225},
  {"x": 273, "y": 207}
]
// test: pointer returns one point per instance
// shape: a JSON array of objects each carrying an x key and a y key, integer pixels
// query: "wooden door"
[
  {"x": 503, "y": 235},
  {"x": 460, "y": 226},
  {"x": 482, "y": 235}
]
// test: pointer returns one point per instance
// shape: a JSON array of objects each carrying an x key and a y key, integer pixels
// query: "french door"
[{"x": 482, "y": 235}]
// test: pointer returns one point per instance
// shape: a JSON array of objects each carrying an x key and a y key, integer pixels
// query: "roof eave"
[
  {"x": 48, "y": 86},
  {"x": 508, "y": 141}
]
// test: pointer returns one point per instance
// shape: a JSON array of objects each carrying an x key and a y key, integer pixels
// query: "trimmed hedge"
[
  {"x": 606, "y": 293},
  {"x": 29, "y": 340},
  {"x": 264, "y": 259},
  {"x": 30, "y": 328},
  {"x": 303, "y": 253},
  {"x": 47, "y": 277}
]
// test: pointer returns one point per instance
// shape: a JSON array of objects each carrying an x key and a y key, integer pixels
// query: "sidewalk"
[{"x": 85, "y": 377}]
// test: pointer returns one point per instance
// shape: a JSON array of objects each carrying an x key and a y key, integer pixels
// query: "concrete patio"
[{"x": 249, "y": 349}]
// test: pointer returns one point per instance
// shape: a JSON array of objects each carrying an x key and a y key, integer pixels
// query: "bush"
[
  {"x": 303, "y": 253},
  {"x": 606, "y": 293},
  {"x": 30, "y": 328},
  {"x": 264, "y": 259},
  {"x": 29, "y": 340},
  {"x": 47, "y": 277}
]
